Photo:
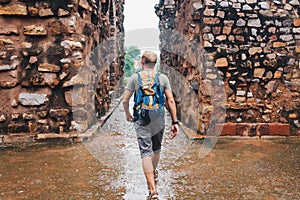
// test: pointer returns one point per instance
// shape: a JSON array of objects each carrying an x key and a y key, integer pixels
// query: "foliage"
[
  {"x": 134, "y": 52},
  {"x": 129, "y": 66}
]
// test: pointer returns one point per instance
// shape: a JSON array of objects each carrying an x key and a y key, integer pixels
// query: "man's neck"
[{"x": 147, "y": 68}]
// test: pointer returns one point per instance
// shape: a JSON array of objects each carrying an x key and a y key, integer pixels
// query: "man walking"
[{"x": 149, "y": 87}]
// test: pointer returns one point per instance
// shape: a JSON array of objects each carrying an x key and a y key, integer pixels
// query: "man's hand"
[
  {"x": 129, "y": 117},
  {"x": 125, "y": 101},
  {"x": 174, "y": 131}
]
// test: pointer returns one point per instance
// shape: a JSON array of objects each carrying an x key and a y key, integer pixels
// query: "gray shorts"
[{"x": 150, "y": 133}]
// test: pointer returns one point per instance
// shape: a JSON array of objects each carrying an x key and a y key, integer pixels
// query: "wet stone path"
[{"x": 109, "y": 167}]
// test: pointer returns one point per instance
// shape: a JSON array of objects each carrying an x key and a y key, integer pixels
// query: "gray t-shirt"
[{"x": 133, "y": 84}]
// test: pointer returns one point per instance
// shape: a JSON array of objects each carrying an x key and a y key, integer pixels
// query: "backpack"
[{"x": 148, "y": 97}]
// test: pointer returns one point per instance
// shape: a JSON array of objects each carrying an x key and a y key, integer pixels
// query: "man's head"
[{"x": 149, "y": 58}]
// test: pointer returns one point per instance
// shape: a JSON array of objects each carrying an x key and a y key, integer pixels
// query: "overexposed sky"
[
  {"x": 141, "y": 24},
  {"x": 140, "y": 14}
]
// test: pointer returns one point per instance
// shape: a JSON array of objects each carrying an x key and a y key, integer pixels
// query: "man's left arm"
[{"x": 126, "y": 98}]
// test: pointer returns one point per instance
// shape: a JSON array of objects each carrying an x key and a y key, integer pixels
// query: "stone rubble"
[{"x": 248, "y": 48}]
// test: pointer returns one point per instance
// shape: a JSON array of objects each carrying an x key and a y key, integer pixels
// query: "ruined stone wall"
[
  {"x": 49, "y": 68},
  {"x": 252, "y": 47}
]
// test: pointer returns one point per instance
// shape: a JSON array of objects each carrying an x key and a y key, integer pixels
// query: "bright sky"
[
  {"x": 140, "y": 14},
  {"x": 141, "y": 24}
]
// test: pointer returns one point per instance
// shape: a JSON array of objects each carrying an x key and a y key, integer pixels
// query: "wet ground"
[{"x": 108, "y": 167}]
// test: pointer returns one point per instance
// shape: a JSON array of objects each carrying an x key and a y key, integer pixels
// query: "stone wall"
[
  {"x": 49, "y": 68},
  {"x": 251, "y": 50}
]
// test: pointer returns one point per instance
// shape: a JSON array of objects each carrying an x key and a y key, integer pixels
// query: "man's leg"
[
  {"x": 155, "y": 159},
  {"x": 148, "y": 171}
]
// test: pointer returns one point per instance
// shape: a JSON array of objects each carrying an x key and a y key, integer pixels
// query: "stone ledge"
[{"x": 241, "y": 131}]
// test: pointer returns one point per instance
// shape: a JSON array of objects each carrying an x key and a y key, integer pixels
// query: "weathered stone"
[
  {"x": 14, "y": 103},
  {"x": 295, "y": 30},
  {"x": 46, "y": 67},
  {"x": 264, "y": 5},
  {"x": 209, "y": 12},
  {"x": 294, "y": 3},
  {"x": 197, "y": 6},
  {"x": 241, "y": 22},
  {"x": 211, "y": 76},
  {"x": 239, "y": 99},
  {"x": 13, "y": 9},
  {"x": 211, "y": 20},
  {"x": 295, "y": 83},
  {"x": 15, "y": 116},
  {"x": 293, "y": 116},
  {"x": 240, "y": 93},
  {"x": 9, "y": 67},
  {"x": 81, "y": 79},
  {"x": 221, "y": 62},
  {"x": 266, "y": 13},
  {"x": 210, "y": 2},
  {"x": 225, "y": 4},
  {"x": 56, "y": 113},
  {"x": 33, "y": 11},
  {"x": 246, "y": 7},
  {"x": 34, "y": 30},
  {"x": 6, "y": 41},
  {"x": 62, "y": 12},
  {"x": 26, "y": 45},
  {"x": 50, "y": 79},
  {"x": 33, "y": 59},
  {"x": 221, "y": 14},
  {"x": 32, "y": 99},
  {"x": 67, "y": 44},
  {"x": 8, "y": 84},
  {"x": 226, "y": 30},
  {"x": 28, "y": 116},
  {"x": 2, "y": 118},
  {"x": 84, "y": 4},
  {"x": 45, "y": 12},
  {"x": 254, "y": 50},
  {"x": 279, "y": 44},
  {"x": 9, "y": 30},
  {"x": 259, "y": 72},
  {"x": 254, "y": 23},
  {"x": 277, "y": 74}
]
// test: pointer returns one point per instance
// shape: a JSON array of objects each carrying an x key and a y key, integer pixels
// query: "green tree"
[
  {"x": 134, "y": 52},
  {"x": 129, "y": 66}
]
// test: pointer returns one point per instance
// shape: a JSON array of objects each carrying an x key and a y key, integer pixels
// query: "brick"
[
  {"x": 246, "y": 129},
  {"x": 279, "y": 129},
  {"x": 225, "y": 129},
  {"x": 262, "y": 129}
]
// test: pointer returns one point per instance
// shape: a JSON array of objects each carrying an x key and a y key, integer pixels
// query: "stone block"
[
  {"x": 56, "y": 113},
  {"x": 225, "y": 129},
  {"x": 13, "y": 9},
  {"x": 279, "y": 44},
  {"x": 46, "y": 67},
  {"x": 9, "y": 30},
  {"x": 279, "y": 129},
  {"x": 45, "y": 12},
  {"x": 34, "y": 30},
  {"x": 32, "y": 99},
  {"x": 221, "y": 62}
]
